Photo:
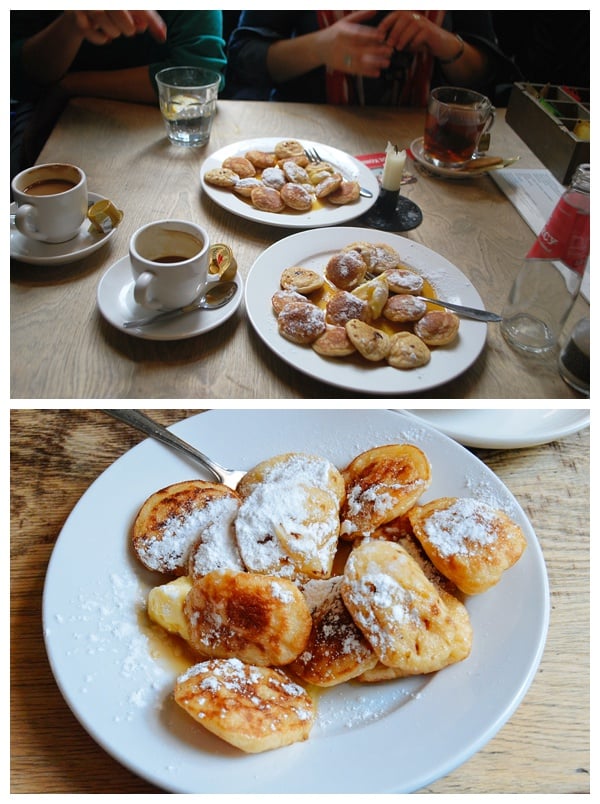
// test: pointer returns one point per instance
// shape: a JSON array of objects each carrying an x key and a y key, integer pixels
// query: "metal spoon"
[
  {"x": 216, "y": 297},
  {"x": 139, "y": 420},
  {"x": 467, "y": 312}
]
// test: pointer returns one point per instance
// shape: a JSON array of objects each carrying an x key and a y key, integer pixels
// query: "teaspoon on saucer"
[{"x": 218, "y": 296}]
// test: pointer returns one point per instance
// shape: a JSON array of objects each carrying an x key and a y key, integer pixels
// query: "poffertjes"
[
  {"x": 337, "y": 582},
  {"x": 336, "y": 650},
  {"x": 258, "y": 618},
  {"x": 412, "y": 626},
  {"x": 253, "y": 708},
  {"x": 183, "y": 516},
  {"x": 288, "y": 523},
  {"x": 381, "y": 484},
  {"x": 468, "y": 541}
]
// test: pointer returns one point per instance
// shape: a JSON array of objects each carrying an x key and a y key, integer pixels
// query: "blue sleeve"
[{"x": 250, "y": 41}]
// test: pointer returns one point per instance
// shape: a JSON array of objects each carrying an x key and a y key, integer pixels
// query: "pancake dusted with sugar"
[
  {"x": 253, "y": 708},
  {"x": 382, "y": 484},
  {"x": 288, "y": 523},
  {"x": 336, "y": 650},
  {"x": 468, "y": 541},
  {"x": 412, "y": 626},
  {"x": 186, "y": 516},
  {"x": 257, "y": 618}
]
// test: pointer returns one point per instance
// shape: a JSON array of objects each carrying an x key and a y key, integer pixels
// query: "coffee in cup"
[
  {"x": 456, "y": 121},
  {"x": 52, "y": 201},
  {"x": 169, "y": 262}
]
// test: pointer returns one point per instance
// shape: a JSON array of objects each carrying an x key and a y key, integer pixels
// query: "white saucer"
[
  {"x": 505, "y": 429},
  {"x": 117, "y": 305},
  {"x": 34, "y": 252},
  {"x": 416, "y": 148}
]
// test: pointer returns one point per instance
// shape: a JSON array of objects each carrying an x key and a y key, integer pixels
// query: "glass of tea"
[{"x": 456, "y": 121}]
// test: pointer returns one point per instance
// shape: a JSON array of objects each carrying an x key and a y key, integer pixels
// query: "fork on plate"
[{"x": 313, "y": 156}]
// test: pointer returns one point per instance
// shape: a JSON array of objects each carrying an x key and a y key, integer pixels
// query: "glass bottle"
[
  {"x": 549, "y": 280},
  {"x": 574, "y": 359}
]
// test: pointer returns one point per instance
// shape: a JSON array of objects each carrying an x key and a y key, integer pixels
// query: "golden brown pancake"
[{"x": 253, "y": 708}]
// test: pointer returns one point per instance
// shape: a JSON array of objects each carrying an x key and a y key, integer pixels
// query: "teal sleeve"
[{"x": 194, "y": 39}]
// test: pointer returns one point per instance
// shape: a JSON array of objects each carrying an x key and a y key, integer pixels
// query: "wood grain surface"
[
  {"x": 123, "y": 149},
  {"x": 544, "y": 748}
]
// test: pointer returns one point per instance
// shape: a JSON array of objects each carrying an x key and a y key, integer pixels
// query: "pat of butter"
[{"x": 165, "y": 605}]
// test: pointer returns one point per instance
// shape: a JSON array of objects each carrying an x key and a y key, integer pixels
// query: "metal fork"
[{"x": 313, "y": 156}]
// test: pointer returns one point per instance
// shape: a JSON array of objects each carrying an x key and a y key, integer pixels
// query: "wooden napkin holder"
[{"x": 546, "y": 116}]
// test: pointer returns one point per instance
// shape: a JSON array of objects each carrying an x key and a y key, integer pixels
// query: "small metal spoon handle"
[
  {"x": 139, "y": 420},
  {"x": 467, "y": 312},
  {"x": 167, "y": 315}
]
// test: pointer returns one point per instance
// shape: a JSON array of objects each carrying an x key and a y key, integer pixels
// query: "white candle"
[{"x": 393, "y": 168}]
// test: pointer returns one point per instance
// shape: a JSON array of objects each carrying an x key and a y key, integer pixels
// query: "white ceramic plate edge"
[{"x": 505, "y": 429}]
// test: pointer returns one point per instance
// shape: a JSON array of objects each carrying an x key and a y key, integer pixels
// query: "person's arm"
[
  {"x": 131, "y": 84},
  {"x": 48, "y": 55}
]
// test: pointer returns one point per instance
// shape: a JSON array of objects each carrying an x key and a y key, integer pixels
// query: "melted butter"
[{"x": 170, "y": 650}]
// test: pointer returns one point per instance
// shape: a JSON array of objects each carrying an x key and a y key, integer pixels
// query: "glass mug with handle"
[{"x": 457, "y": 120}]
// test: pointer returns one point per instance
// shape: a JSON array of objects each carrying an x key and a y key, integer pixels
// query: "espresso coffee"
[
  {"x": 49, "y": 187},
  {"x": 170, "y": 258}
]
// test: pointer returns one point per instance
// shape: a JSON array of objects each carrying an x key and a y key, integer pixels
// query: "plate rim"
[
  {"x": 187, "y": 427},
  {"x": 357, "y": 378},
  {"x": 299, "y": 221},
  {"x": 470, "y": 439}
]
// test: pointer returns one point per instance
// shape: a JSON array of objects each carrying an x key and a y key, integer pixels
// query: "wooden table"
[
  {"x": 544, "y": 748},
  {"x": 61, "y": 347}
]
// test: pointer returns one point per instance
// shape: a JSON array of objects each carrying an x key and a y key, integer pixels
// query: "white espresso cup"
[
  {"x": 169, "y": 261},
  {"x": 52, "y": 202}
]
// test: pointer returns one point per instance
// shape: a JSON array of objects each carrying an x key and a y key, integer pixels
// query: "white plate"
[
  {"x": 117, "y": 305},
  {"x": 505, "y": 429},
  {"x": 313, "y": 250},
  {"x": 327, "y": 215},
  {"x": 418, "y": 153},
  {"x": 392, "y": 737},
  {"x": 33, "y": 252}
]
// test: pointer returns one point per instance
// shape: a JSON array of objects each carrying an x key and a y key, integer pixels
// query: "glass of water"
[{"x": 188, "y": 102}]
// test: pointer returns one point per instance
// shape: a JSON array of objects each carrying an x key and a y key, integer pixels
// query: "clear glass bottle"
[{"x": 548, "y": 282}]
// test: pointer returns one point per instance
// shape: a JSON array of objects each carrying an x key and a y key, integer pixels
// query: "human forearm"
[
  {"x": 131, "y": 84},
  {"x": 42, "y": 60},
  {"x": 289, "y": 58}
]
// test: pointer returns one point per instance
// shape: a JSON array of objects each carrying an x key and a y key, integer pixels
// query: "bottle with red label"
[{"x": 549, "y": 280}]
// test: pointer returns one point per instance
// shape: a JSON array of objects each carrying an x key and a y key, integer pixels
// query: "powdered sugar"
[
  {"x": 213, "y": 522},
  {"x": 462, "y": 528},
  {"x": 276, "y": 511}
]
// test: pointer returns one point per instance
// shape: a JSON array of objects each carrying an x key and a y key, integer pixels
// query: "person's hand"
[
  {"x": 351, "y": 47},
  {"x": 101, "y": 27},
  {"x": 409, "y": 30}
]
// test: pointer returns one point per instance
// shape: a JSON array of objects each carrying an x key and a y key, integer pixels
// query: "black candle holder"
[{"x": 393, "y": 212}]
